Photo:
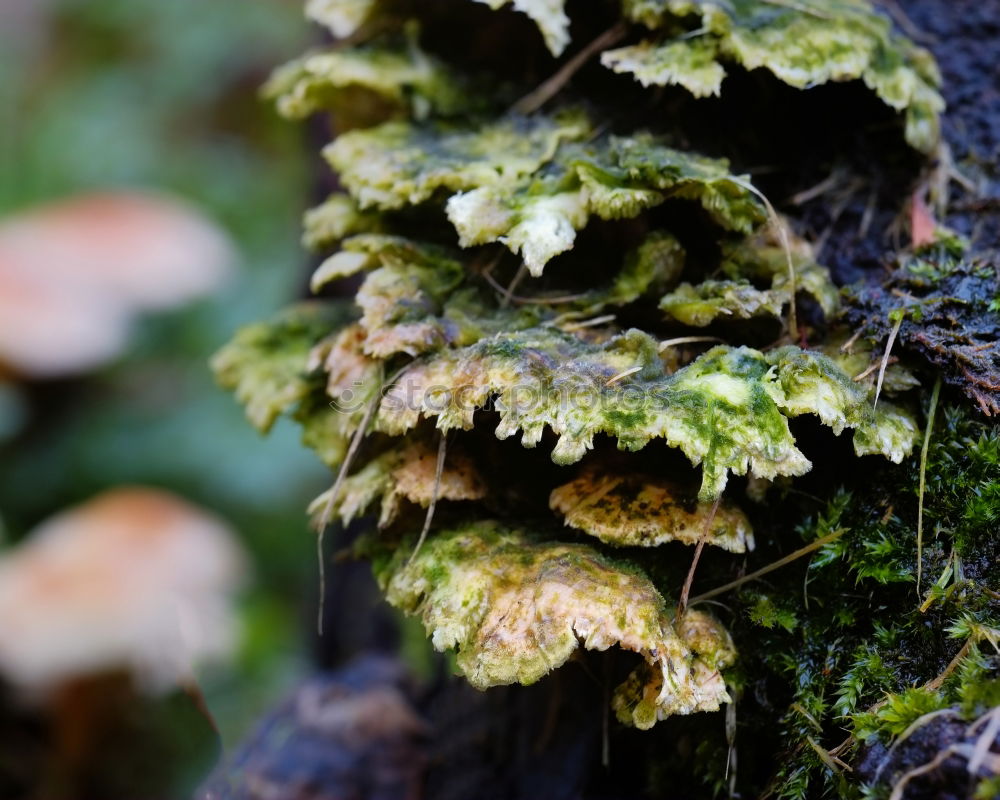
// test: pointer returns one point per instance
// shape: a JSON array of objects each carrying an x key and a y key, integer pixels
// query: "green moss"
[{"x": 866, "y": 655}]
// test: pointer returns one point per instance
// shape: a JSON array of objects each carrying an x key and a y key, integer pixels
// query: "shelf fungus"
[
  {"x": 700, "y": 305},
  {"x": 407, "y": 474},
  {"x": 336, "y": 218},
  {"x": 508, "y": 266},
  {"x": 747, "y": 263},
  {"x": 515, "y": 607},
  {"x": 418, "y": 297},
  {"x": 266, "y": 364},
  {"x": 727, "y": 411},
  {"x": 398, "y": 163},
  {"x": 804, "y": 44},
  {"x": 396, "y": 76},
  {"x": 650, "y": 695},
  {"x": 635, "y": 510},
  {"x": 532, "y": 183}
]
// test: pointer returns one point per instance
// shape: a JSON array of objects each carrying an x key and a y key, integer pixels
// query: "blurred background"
[{"x": 133, "y": 134}]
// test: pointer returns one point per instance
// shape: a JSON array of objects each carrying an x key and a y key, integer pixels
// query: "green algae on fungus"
[
  {"x": 700, "y": 305},
  {"x": 691, "y": 64},
  {"x": 266, "y": 365},
  {"x": 515, "y": 607},
  {"x": 398, "y": 163},
  {"x": 633, "y": 510},
  {"x": 400, "y": 298},
  {"x": 435, "y": 322},
  {"x": 804, "y": 44},
  {"x": 728, "y": 411},
  {"x": 335, "y": 219},
  {"x": 418, "y": 297},
  {"x": 531, "y": 183},
  {"x": 611, "y": 178},
  {"x": 747, "y": 262},
  {"x": 402, "y": 474},
  {"x": 325, "y": 430},
  {"x": 764, "y": 257},
  {"x": 397, "y": 73}
]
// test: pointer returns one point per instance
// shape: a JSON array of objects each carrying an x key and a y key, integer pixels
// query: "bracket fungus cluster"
[{"x": 519, "y": 271}]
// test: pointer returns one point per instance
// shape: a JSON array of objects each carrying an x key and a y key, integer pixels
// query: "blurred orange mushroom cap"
[
  {"x": 74, "y": 272},
  {"x": 135, "y": 579}
]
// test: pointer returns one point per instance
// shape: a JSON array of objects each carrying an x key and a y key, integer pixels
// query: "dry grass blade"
[
  {"x": 981, "y": 750},
  {"x": 515, "y": 282},
  {"x": 914, "y": 726},
  {"x": 569, "y": 327},
  {"x": 779, "y": 226},
  {"x": 802, "y": 551},
  {"x": 899, "y": 790},
  {"x": 438, "y": 471},
  {"x": 923, "y": 478},
  {"x": 541, "y": 301},
  {"x": 682, "y": 604},
  {"x": 327, "y": 515},
  {"x": 885, "y": 358}
]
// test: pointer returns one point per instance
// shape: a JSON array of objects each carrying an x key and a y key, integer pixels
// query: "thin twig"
[
  {"x": 905, "y": 23},
  {"x": 827, "y": 184},
  {"x": 731, "y": 745},
  {"x": 824, "y": 755},
  {"x": 899, "y": 790},
  {"x": 923, "y": 478},
  {"x": 802, "y": 551},
  {"x": 871, "y": 368},
  {"x": 885, "y": 358},
  {"x": 509, "y": 291},
  {"x": 327, "y": 514},
  {"x": 533, "y": 101},
  {"x": 936, "y": 683},
  {"x": 438, "y": 471},
  {"x": 779, "y": 226},
  {"x": 846, "y": 346},
  {"x": 868, "y": 215},
  {"x": 682, "y": 604},
  {"x": 542, "y": 301}
]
